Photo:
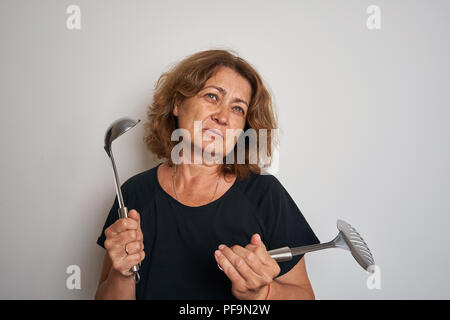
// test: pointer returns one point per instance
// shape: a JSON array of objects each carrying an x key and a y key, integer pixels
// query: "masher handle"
[{"x": 286, "y": 253}]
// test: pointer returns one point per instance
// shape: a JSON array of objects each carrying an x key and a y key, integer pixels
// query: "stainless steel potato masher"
[
  {"x": 348, "y": 238},
  {"x": 116, "y": 129}
]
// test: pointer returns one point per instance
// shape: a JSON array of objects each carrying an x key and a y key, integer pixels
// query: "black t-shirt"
[{"x": 179, "y": 240}]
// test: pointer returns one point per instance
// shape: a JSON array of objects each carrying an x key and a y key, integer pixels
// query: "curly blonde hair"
[{"x": 185, "y": 80}]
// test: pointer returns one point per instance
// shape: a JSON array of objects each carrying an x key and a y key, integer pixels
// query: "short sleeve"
[
  {"x": 283, "y": 222},
  {"x": 111, "y": 218}
]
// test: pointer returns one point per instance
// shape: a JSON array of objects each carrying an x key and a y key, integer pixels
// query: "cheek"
[
  {"x": 194, "y": 112},
  {"x": 187, "y": 116},
  {"x": 237, "y": 122}
]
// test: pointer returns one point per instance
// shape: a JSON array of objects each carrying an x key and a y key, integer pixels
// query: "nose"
[{"x": 221, "y": 116}]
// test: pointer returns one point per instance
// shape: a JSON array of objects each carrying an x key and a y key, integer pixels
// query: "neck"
[
  {"x": 190, "y": 171},
  {"x": 197, "y": 172},
  {"x": 195, "y": 177}
]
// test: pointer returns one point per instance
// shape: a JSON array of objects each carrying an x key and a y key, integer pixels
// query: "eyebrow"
[{"x": 224, "y": 92}]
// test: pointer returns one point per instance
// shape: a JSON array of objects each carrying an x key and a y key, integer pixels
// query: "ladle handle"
[{"x": 123, "y": 213}]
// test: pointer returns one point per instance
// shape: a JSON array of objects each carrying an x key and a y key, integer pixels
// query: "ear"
[{"x": 175, "y": 110}]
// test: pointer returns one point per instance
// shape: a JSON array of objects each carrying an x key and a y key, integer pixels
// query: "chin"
[{"x": 208, "y": 147}]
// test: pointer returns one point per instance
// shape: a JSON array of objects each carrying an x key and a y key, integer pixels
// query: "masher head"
[
  {"x": 358, "y": 247},
  {"x": 116, "y": 129}
]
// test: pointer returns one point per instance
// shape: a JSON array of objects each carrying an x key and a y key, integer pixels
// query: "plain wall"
[{"x": 363, "y": 115}]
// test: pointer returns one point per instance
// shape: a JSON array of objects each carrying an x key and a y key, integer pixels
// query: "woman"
[{"x": 191, "y": 217}]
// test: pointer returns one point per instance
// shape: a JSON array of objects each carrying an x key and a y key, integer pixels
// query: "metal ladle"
[{"x": 116, "y": 129}]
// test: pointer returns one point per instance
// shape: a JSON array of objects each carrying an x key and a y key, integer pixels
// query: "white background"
[{"x": 363, "y": 115}]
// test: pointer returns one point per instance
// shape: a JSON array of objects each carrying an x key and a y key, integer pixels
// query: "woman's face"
[{"x": 221, "y": 104}]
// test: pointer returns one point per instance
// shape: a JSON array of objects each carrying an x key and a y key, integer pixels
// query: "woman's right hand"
[{"x": 124, "y": 243}]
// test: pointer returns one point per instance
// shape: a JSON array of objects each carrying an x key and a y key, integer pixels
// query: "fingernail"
[
  {"x": 217, "y": 253},
  {"x": 221, "y": 247}
]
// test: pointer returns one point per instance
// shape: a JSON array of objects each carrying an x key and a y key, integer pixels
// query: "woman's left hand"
[{"x": 250, "y": 269}]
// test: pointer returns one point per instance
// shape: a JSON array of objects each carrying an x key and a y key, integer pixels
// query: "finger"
[
  {"x": 126, "y": 237},
  {"x": 261, "y": 273},
  {"x": 131, "y": 260},
  {"x": 256, "y": 240},
  {"x": 133, "y": 214},
  {"x": 140, "y": 233},
  {"x": 257, "y": 246},
  {"x": 228, "y": 253},
  {"x": 123, "y": 225},
  {"x": 265, "y": 258},
  {"x": 117, "y": 254},
  {"x": 252, "y": 279},
  {"x": 134, "y": 247},
  {"x": 230, "y": 271},
  {"x": 251, "y": 246},
  {"x": 264, "y": 255},
  {"x": 251, "y": 258}
]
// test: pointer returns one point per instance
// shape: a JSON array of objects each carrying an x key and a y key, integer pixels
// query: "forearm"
[
  {"x": 116, "y": 287},
  {"x": 281, "y": 291}
]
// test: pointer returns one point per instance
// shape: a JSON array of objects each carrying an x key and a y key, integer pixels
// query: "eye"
[
  {"x": 240, "y": 109},
  {"x": 211, "y": 94}
]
